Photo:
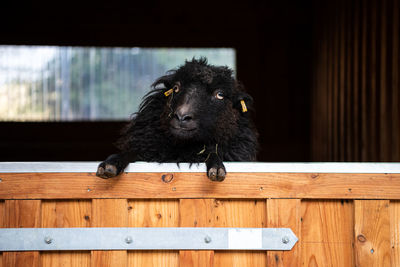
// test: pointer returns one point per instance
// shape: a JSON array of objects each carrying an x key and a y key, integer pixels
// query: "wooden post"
[
  {"x": 22, "y": 214},
  {"x": 372, "y": 233},
  {"x": 285, "y": 213},
  {"x": 196, "y": 213},
  {"x": 326, "y": 233},
  {"x": 153, "y": 213},
  {"x": 66, "y": 213},
  {"x": 240, "y": 213},
  {"x": 109, "y": 213}
]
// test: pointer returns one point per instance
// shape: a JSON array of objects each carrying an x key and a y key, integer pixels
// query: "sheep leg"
[
  {"x": 215, "y": 168},
  {"x": 113, "y": 165}
]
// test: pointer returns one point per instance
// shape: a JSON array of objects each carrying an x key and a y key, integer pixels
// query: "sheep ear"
[
  {"x": 243, "y": 102},
  {"x": 165, "y": 80}
]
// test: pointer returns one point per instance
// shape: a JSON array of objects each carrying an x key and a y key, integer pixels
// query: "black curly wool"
[{"x": 201, "y": 118}]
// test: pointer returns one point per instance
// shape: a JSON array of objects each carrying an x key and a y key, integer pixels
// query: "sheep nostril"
[
  {"x": 186, "y": 118},
  {"x": 183, "y": 118}
]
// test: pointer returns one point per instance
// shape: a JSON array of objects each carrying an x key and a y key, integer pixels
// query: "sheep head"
[{"x": 202, "y": 102}]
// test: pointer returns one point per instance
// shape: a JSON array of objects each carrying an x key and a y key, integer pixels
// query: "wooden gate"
[{"x": 341, "y": 219}]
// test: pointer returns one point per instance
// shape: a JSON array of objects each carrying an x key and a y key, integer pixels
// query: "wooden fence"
[{"x": 341, "y": 219}]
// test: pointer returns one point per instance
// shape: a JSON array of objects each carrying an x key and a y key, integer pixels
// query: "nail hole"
[{"x": 167, "y": 178}]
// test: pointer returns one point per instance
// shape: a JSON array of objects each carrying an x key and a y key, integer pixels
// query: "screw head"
[
  {"x": 48, "y": 240},
  {"x": 207, "y": 239},
  {"x": 285, "y": 240},
  {"x": 128, "y": 240}
]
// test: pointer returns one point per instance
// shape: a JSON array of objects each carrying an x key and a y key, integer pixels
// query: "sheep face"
[
  {"x": 200, "y": 104},
  {"x": 200, "y": 113}
]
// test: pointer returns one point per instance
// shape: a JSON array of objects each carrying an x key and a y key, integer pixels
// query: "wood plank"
[
  {"x": 342, "y": 79},
  {"x": 364, "y": 82},
  {"x": 153, "y": 213},
  {"x": 240, "y": 213},
  {"x": 327, "y": 233},
  {"x": 66, "y": 213},
  {"x": 2, "y": 224},
  {"x": 22, "y": 214},
  {"x": 373, "y": 142},
  {"x": 384, "y": 106},
  {"x": 372, "y": 233},
  {"x": 109, "y": 213},
  {"x": 196, "y": 185},
  {"x": 395, "y": 232},
  {"x": 196, "y": 213},
  {"x": 285, "y": 213},
  {"x": 395, "y": 83},
  {"x": 335, "y": 96},
  {"x": 356, "y": 84}
]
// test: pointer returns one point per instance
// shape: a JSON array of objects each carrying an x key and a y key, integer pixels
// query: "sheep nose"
[{"x": 182, "y": 118}]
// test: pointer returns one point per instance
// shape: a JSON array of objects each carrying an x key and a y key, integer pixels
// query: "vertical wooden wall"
[
  {"x": 331, "y": 232},
  {"x": 356, "y": 94}
]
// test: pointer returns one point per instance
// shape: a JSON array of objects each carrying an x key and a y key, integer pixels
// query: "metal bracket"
[{"x": 153, "y": 238}]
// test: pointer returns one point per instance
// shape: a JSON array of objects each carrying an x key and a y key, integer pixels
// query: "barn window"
[{"x": 53, "y": 83}]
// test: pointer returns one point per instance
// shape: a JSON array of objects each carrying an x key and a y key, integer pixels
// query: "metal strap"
[{"x": 169, "y": 238}]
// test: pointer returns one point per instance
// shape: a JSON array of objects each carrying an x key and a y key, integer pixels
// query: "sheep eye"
[
  {"x": 219, "y": 95},
  {"x": 176, "y": 88}
]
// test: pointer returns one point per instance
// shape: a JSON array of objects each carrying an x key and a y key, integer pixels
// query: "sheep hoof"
[
  {"x": 216, "y": 174},
  {"x": 106, "y": 171}
]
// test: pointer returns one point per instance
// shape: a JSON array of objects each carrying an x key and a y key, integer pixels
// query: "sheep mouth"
[{"x": 183, "y": 132}]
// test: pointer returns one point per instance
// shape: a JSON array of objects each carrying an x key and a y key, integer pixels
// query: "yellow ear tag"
[
  {"x": 167, "y": 93},
  {"x": 244, "y": 108}
]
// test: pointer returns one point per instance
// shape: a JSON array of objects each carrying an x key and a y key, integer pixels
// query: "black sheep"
[{"x": 197, "y": 113}]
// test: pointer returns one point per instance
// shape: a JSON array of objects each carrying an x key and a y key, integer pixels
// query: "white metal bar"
[
  {"x": 148, "y": 238},
  {"x": 74, "y": 167}
]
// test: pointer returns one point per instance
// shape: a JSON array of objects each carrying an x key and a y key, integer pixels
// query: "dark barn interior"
[{"x": 324, "y": 76}]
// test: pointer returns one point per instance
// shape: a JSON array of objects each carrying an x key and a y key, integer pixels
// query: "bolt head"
[
  {"x": 285, "y": 240},
  {"x": 128, "y": 240},
  {"x": 207, "y": 239},
  {"x": 48, "y": 240}
]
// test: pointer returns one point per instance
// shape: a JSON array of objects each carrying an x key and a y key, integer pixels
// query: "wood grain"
[
  {"x": 372, "y": 233},
  {"x": 2, "y": 224},
  {"x": 358, "y": 84},
  {"x": 196, "y": 185},
  {"x": 109, "y": 213},
  {"x": 196, "y": 213},
  {"x": 240, "y": 213},
  {"x": 327, "y": 233},
  {"x": 22, "y": 214},
  {"x": 153, "y": 213},
  {"x": 395, "y": 232},
  {"x": 285, "y": 213},
  {"x": 66, "y": 213}
]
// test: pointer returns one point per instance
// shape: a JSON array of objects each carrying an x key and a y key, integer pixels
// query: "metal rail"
[
  {"x": 153, "y": 238},
  {"x": 252, "y": 167}
]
